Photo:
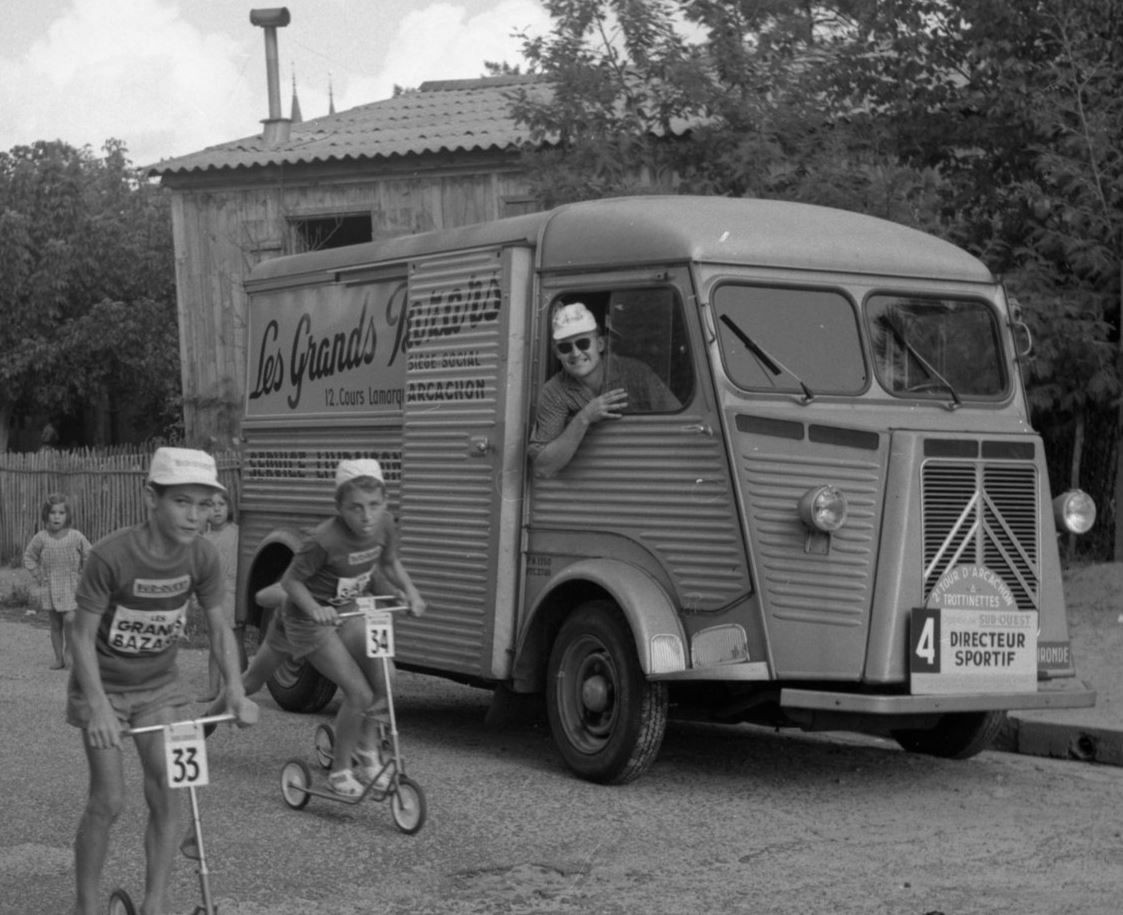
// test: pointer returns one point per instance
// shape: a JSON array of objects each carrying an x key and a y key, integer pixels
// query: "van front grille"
[{"x": 984, "y": 514}]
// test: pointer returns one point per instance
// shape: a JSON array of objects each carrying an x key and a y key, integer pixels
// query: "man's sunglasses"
[{"x": 566, "y": 346}]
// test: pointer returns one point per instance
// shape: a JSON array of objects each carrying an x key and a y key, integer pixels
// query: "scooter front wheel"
[
  {"x": 295, "y": 779},
  {"x": 407, "y": 805},
  {"x": 120, "y": 903}
]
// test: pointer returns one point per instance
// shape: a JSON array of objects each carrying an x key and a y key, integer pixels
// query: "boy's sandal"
[
  {"x": 344, "y": 784},
  {"x": 370, "y": 769}
]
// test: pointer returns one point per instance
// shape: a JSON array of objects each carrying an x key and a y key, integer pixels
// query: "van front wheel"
[{"x": 606, "y": 718}]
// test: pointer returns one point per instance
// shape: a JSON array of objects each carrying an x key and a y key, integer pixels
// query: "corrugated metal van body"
[
  {"x": 652, "y": 490},
  {"x": 463, "y": 454},
  {"x": 325, "y": 382},
  {"x": 409, "y": 363}
]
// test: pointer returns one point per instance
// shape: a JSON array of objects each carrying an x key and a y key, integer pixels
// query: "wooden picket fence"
[{"x": 105, "y": 488}]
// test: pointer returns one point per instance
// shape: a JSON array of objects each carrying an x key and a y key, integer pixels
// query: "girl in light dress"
[
  {"x": 223, "y": 533},
  {"x": 55, "y": 558}
]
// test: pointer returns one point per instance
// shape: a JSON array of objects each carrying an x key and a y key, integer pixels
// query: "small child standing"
[
  {"x": 335, "y": 562},
  {"x": 223, "y": 533},
  {"x": 55, "y": 558}
]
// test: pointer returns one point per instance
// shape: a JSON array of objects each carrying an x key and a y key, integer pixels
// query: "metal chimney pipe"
[{"x": 276, "y": 127}]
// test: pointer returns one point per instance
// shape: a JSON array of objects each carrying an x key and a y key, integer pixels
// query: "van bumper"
[{"x": 823, "y": 700}]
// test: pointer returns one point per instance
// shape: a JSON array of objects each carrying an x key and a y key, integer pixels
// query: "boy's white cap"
[
  {"x": 184, "y": 467},
  {"x": 573, "y": 319},
  {"x": 364, "y": 467}
]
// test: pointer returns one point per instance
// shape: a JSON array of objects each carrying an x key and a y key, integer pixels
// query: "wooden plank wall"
[{"x": 105, "y": 488}]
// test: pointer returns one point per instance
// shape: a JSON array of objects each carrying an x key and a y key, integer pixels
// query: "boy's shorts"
[
  {"x": 131, "y": 707},
  {"x": 304, "y": 635},
  {"x": 276, "y": 635}
]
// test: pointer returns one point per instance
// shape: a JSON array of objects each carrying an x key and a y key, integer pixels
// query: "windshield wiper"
[
  {"x": 898, "y": 335},
  {"x": 769, "y": 362}
]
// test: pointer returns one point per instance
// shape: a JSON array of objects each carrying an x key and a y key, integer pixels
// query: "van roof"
[{"x": 671, "y": 229}]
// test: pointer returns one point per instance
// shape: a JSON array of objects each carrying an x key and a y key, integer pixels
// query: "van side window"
[{"x": 645, "y": 325}]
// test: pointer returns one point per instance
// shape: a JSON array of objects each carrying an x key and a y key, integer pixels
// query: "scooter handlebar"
[{"x": 206, "y": 719}]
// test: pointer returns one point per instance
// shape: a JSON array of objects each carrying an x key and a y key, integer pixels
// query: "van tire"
[
  {"x": 958, "y": 735},
  {"x": 297, "y": 686},
  {"x": 606, "y": 718}
]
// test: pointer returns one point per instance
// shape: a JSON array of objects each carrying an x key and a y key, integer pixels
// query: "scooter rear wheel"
[
  {"x": 120, "y": 903},
  {"x": 295, "y": 779},
  {"x": 407, "y": 805}
]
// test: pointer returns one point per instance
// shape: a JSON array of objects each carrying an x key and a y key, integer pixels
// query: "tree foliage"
[
  {"x": 86, "y": 287},
  {"x": 996, "y": 125}
]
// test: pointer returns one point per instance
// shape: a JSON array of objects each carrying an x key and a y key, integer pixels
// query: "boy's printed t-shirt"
[
  {"x": 334, "y": 563},
  {"x": 142, "y": 600}
]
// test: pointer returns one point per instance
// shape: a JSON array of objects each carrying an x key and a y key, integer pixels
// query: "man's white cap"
[
  {"x": 184, "y": 467},
  {"x": 573, "y": 319},
  {"x": 364, "y": 467}
]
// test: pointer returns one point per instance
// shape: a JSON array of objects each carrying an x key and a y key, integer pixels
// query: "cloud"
[
  {"x": 126, "y": 69},
  {"x": 170, "y": 77},
  {"x": 446, "y": 41}
]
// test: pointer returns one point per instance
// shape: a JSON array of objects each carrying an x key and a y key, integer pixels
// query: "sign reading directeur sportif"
[{"x": 971, "y": 637}]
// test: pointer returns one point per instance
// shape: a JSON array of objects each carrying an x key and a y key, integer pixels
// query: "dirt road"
[{"x": 728, "y": 820}]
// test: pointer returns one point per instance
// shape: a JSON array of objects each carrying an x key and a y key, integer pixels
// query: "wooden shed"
[{"x": 444, "y": 155}]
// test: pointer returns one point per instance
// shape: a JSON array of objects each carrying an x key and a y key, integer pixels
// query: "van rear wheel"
[
  {"x": 606, "y": 718},
  {"x": 298, "y": 687},
  {"x": 958, "y": 735}
]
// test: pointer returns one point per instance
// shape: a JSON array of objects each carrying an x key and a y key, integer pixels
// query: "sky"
[{"x": 171, "y": 77}]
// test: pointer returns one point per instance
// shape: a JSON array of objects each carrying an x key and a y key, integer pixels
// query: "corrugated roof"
[{"x": 446, "y": 116}]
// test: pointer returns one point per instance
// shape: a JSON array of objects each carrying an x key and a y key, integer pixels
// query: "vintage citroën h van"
[{"x": 846, "y": 524}]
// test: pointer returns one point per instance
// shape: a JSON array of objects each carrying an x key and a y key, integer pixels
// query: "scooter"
[
  {"x": 407, "y": 800},
  {"x": 186, "y": 752}
]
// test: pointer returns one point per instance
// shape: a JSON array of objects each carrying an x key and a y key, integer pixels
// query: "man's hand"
[{"x": 609, "y": 405}]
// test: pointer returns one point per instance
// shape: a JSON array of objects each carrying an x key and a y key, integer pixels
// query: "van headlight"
[
  {"x": 823, "y": 509},
  {"x": 1074, "y": 512}
]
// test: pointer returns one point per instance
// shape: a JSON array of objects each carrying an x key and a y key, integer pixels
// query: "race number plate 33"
[
  {"x": 185, "y": 755},
  {"x": 972, "y": 638}
]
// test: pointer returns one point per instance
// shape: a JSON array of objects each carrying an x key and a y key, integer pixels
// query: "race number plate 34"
[
  {"x": 972, "y": 638},
  {"x": 380, "y": 634}
]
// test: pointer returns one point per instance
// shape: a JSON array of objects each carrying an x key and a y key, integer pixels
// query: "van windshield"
[
  {"x": 798, "y": 339},
  {"x": 936, "y": 347}
]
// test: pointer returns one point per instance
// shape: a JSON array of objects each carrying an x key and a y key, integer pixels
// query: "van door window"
[
  {"x": 803, "y": 341},
  {"x": 644, "y": 330},
  {"x": 936, "y": 347}
]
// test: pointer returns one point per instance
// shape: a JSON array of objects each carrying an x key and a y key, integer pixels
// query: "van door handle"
[
  {"x": 479, "y": 445},
  {"x": 698, "y": 429}
]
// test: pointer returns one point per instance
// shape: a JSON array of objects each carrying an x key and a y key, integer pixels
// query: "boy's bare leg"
[
  {"x": 160, "y": 842},
  {"x": 335, "y": 662},
  {"x": 261, "y": 668},
  {"x": 353, "y": 634},
  {"x": 104, "y": 804}
]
